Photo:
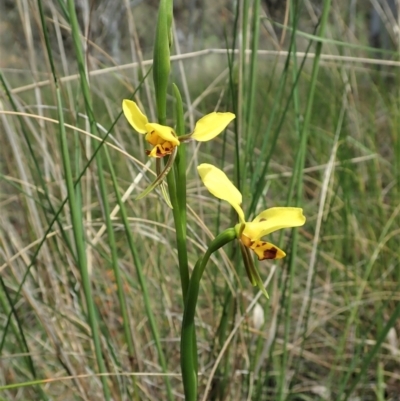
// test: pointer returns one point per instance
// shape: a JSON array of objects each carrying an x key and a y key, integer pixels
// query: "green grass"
[{"x": 90, "y": 293}]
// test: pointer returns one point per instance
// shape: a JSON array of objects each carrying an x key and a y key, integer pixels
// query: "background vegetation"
[{"x": 318, "y": 132}]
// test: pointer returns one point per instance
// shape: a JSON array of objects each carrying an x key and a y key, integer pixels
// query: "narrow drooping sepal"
[
  {"x": 251, "y": 269},
  {"x": 160, "y": 177}
]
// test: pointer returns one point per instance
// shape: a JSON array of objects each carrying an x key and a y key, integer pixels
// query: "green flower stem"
[
  {"x": 176, "y": 179},
  {"x": 161, "y": 60},
  {"x": 188, "y": 343},
  {"x": 180, "y": 229},
  {"x": 179, "y": 209},
  {"x": 180, "y": 161}
]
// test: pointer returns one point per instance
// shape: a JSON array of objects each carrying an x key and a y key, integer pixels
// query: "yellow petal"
[
  {"x": 153, "y": 138},
  {"x": 274, "y": 219},
  {"x": 221, "y": 187},
  {"x": 134, "y": 116},
  {"x": 164, "y": 132},
  {"x": 266, "y": 250},
  {"x": 209, "y": 126}
]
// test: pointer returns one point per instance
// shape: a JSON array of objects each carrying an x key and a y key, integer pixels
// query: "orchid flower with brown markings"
[
  {"x": 250, "y": 234},
  {"x": 163, "y": 138}
]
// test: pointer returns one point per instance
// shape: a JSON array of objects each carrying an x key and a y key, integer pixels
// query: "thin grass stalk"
[
  {"x": 234, "y": 90},
  {"x": 279, "y": 279},
  {"x": 340, "y": 43},
  {"x": 294, "y": 16},
  {"x": 279, "y": 282},
  {"x": 57, "y": 214},
  {"x": 396, "y": 146},
  {"x": 78, "y": 232},
  {"x": 299, "y": 174},
  {"x": 243, "y": 11},
  {"x": 308, "y": 298},
  {"x": 126, "y": 324},
  {"x": 19, "y": 335},
  {"x": 257, "y": 179},
  {"x": 296, "y": 71},
  {"x": 239, "y": 88},
  {"x": 239, "y": 84},
  {"x": 258, "y": 187},
  {"x": 31, "y": 383},
  {"x": 252, "y": 85},
  {"x": 75, "y": 31},
  {"x": 380, "y": 388},
  {"x": 367, "y": 359},
  {"x": 361, "y": 288},
  {"x": 188, "y": 362},
  {"x": 52, "y": 222},
  {"x": 36, "y": 163},
  {"x": 103, "y": 192},
  {"x": 141, "y": 276},
  {"x": 50, "y": 227}
]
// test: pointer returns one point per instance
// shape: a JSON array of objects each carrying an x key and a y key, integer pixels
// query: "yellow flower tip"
[
  {"x": 219, "y": 185},
  {"x": 134, "y": 116},
  {"x": 211, "y": 125}
]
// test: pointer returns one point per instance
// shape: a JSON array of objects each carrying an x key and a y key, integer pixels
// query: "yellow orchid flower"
[
  {"x": 164, "y": 138},
  {"x": 268, "y": 221}
]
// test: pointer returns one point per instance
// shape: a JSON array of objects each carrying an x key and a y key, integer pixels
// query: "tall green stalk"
[
  {"x": 177, "y": 191},
  {"x": 188, "y": 359}
]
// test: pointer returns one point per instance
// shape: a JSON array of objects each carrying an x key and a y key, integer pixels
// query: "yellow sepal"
[
  {"x": 134, "y": 116},
  {"x": 211, "y": 125},
  {"x": 221, "y": 187}
]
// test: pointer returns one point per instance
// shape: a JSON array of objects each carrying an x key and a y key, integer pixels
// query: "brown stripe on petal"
[{"x": 270, "y": 253}]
